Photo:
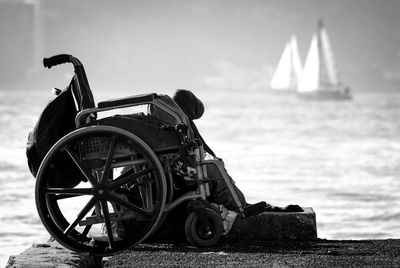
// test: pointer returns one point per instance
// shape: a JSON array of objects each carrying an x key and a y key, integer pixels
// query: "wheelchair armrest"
[{"x": 127, "y": 100}]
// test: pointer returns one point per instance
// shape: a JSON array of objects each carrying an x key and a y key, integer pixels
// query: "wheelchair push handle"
[
  {"x": 65, "y": 58},
  {"x": 56, "y": 60},
  {"x": 82, "y": 89}
]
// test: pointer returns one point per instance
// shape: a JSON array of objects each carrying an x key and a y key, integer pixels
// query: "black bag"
[{"x": 56, "y": 120}]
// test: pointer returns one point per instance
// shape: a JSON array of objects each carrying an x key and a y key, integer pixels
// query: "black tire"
[
  {"x": 63, "y": 205},
  {"x": 195, "y": 232}
]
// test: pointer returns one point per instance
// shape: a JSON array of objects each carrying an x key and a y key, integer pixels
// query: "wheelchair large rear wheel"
[{"x": 100, "y": 190}]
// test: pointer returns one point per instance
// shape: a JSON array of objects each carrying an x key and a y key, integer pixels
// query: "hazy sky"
[{"x": 166, "y": 44}]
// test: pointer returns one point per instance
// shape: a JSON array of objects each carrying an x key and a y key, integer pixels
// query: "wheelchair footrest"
[
  {"x": 113, "y": 216},
  {"x": 254, "y": 209}
]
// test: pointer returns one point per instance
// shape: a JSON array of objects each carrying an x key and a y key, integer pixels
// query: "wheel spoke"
[
  {"x": 106, "y": 172},
  {"x": 126, "y": 178},
  {"x": 62, "y": 196},
  {"x": 80, "y": 166},
  {"x": 107, "y": 221},
  {"x": 130, "y": 206},
  {"x": 88, "y": 227},
  {"x": 81, "y": 214},
  {"x": 68, "y": 192}
]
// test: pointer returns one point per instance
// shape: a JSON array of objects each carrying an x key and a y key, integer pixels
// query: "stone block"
[
  {"x": 264, "y": 226},
  {"x": 51, "y": 254},
  {"x": 276, "y": 226}
]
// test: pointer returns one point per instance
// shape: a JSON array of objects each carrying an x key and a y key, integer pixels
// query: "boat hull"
[{"x": 326, "y": 95}]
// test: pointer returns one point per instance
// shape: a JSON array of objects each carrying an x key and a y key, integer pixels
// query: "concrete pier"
[
  {"x": 47, "y": 254},
  {"x": 316, "y": 253},
  {"x": 52, "y": 254},
  {"x": 262, "y": 229}
]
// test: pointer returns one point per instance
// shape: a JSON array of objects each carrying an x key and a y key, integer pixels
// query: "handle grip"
[{"x": 56, "y": 60}]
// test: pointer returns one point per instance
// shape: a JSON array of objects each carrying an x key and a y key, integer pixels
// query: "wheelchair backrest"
[{"x": 81, "y": 90}]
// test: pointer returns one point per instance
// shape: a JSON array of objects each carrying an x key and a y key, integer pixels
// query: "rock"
[
  {"x": 267, "y": 226},
  {"x": 49, "y": 254},
  {"x": 276, "y": 226}
]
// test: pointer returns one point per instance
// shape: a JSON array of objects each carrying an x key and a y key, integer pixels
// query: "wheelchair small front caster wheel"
[{"x": 204, "y": 236}]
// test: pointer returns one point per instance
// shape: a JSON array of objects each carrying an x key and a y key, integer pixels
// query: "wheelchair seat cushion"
[{"x": 146, "y": 127}]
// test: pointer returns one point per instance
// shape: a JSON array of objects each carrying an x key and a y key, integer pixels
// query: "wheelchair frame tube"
[
  {"x": 79, "y": 116},
  {"x": 202, "y": 169},
  {"x": 203, "y": 191},
  {"x": 186, "y": 197}
]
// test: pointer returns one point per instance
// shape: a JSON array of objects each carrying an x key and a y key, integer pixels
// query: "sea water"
[{"x": 339, "y": 157}]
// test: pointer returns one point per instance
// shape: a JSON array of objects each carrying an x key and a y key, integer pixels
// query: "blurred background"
[
  {"x": 224, "y": 43},
  {"x": 341, "y": 158}
]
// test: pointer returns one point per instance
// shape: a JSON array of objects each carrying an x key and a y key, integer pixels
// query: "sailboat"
[
  {"x": 285, "y": 77},
  {"x": 320, "y": 77}
]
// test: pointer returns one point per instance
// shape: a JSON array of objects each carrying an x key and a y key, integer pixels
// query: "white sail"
[
  {"x": 296, "y": 62},
  {"x": 309, "y": 78},
  {"x": 330, "y": 75},
  {"x": 288, "y": 70},
  {"x": 281, "y": 77}
]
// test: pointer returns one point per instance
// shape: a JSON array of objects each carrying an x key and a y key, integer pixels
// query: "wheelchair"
[{"x": 119, "y": 169}]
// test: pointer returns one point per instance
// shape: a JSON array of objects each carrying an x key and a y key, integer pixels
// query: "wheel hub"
[{"x": 101, "y": 192}]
